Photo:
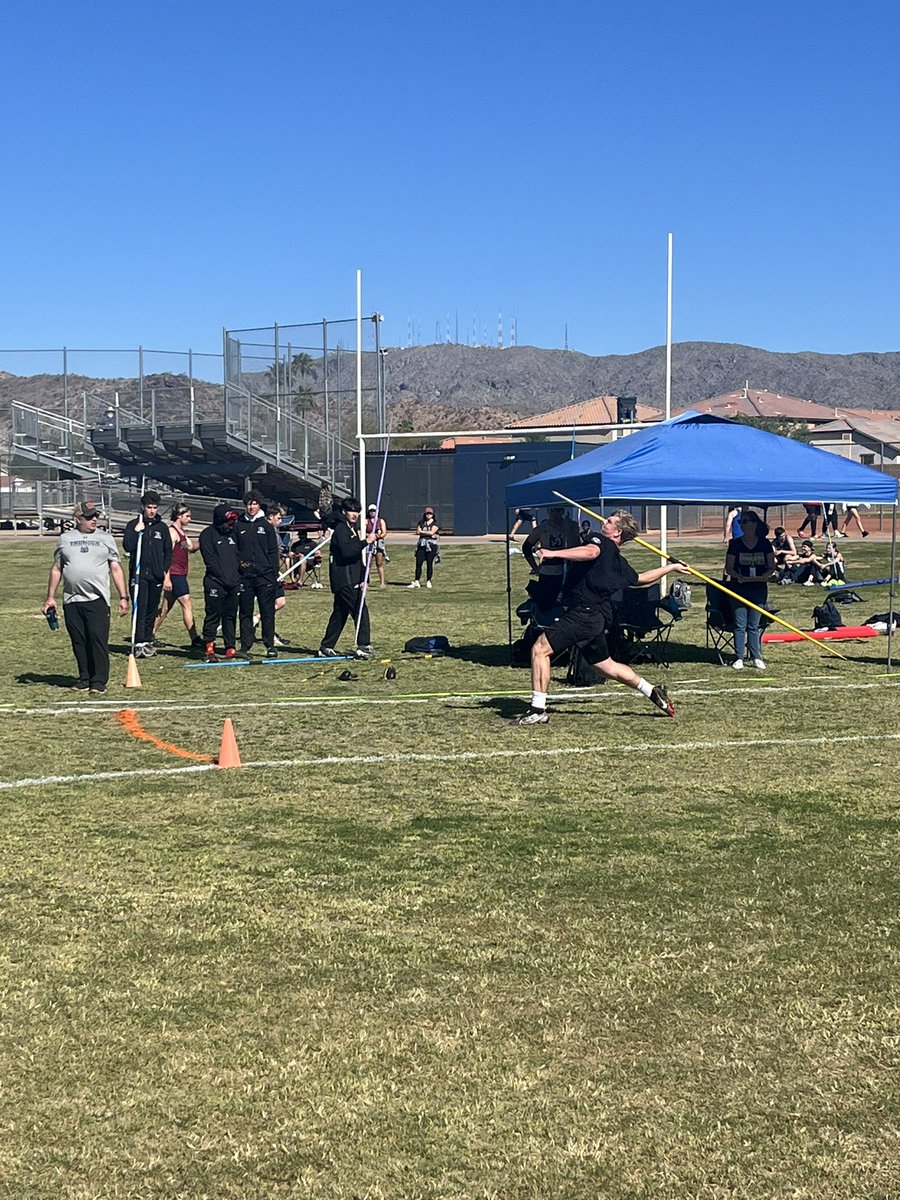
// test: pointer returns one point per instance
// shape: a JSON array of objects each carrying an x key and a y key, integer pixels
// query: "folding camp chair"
[
  {"x": 536, "y": 620},
  {"x": 642, "y": 626},
  {"x": 720, "y": 624}
]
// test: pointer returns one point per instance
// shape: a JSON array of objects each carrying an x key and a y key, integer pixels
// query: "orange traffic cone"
[
  {"x": 229, "y": 755},
  {"x": 132, "y": 678}
]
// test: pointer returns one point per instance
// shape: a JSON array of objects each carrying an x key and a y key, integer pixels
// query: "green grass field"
[{"x": 619, "y": 956}]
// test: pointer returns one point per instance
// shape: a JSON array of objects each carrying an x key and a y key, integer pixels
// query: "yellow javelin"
[{"x": 712, "y": 582}]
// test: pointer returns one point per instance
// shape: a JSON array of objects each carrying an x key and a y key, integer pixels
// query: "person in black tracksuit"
[
  {"x": 222, "y": 581},
  {"x": 346, "y": 574},
  {"x": 260, "y": 556},
  {"x": 152, "y": 534}
]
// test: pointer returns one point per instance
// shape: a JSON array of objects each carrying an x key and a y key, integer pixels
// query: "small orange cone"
[
  {"x": 229, "y": 756},
  {"x": 132, "y": 678}
]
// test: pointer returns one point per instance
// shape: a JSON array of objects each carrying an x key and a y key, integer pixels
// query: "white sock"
[
  {"x": 539, "y": 700},
  {"x": 645, "y": 688}
]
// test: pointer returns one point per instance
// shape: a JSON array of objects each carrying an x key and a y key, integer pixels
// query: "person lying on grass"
[{"x": 596, "y": 571}]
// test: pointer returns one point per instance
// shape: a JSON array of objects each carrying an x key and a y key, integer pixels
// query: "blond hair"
[{"x": 628, "y": 526}]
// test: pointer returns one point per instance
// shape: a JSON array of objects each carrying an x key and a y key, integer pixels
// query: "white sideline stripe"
[
  {"x": 148, "y": 706},
  {"x": 80, "y": 708},
  {"x": 462, "y": 756}
]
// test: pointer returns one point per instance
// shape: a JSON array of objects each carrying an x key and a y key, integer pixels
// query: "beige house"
[{"x": 874, "y": 443}]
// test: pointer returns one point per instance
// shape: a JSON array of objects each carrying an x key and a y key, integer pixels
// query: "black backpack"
[
  {"x": 826, "y": 616},
  {"x": 582, "y": 673},
  {"x": 436, "y": 645}
]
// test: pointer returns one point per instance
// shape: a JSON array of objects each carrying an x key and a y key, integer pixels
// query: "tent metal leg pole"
[
  {"x": 509, "y": 591},
  {"x": 893, "y": 585}
]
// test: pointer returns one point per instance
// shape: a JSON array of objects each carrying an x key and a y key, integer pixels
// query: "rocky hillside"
[
  {"x": 525, "y": 380},
  {"x": 462, "y": 387}
]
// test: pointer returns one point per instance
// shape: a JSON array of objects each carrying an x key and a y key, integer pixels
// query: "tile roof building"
[
  {"x": 600, "y": 410},
  {"x": 754, "y": 402}
]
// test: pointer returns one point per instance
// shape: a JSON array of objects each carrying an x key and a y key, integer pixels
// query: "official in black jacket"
[
  {"x": 260, "y": 557},
  {"x": 150, "y": 534},
  {"x": 222, "y": 581},
  {"x": 346, "y": 573}
]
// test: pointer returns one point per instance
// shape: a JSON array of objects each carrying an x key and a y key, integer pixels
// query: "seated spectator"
[
  {"x": 805, "y": 567},
  {"x": 833, "y": 567},
  {"x": 302, "y": 547},
  {"x": 784, "y": 548}
]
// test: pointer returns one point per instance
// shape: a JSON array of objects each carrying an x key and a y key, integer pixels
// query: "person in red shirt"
[{"x": 180, "y": 593}]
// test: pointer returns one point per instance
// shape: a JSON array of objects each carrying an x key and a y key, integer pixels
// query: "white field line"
[
  {"x": 80, "y": 708},
  {"x": 462, "y": 756}
]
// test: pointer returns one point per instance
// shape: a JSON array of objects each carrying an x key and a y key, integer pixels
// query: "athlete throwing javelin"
[{"x": 596, "y": 572}]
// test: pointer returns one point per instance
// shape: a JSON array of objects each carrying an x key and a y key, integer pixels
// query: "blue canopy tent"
[{"x": 699, "y": 458}]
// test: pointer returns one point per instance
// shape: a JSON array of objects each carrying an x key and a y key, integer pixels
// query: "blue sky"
[{"x": 171, "y": 169}]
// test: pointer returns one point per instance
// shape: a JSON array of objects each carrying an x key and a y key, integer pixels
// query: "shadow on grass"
[
  {"x": 505, "y": 707},
  {"x": 63, "y": 681},
  {"x": 485, "y": 656}
]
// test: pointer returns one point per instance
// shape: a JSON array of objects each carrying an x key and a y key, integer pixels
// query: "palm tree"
[
  {"x": 301, "y": 366},
  {"x": 304, "y": 364}
]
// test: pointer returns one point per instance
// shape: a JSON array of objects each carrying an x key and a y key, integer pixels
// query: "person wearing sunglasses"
[
  {"x": 84, "y": 560},
  {"x": 749, "y": 565}
]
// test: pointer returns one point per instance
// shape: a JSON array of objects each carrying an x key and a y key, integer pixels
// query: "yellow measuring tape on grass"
[{"x": 712, "y": 582}]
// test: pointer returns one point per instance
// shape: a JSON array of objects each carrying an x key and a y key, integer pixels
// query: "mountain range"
[
  {"x": 445, "y": 387},
  {"x": 524, "y": 380}
]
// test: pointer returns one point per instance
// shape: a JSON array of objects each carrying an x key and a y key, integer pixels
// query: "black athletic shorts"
[{"x": 583, "y": 627}]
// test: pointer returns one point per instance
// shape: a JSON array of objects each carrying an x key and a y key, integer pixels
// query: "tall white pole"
[
  {"x": 669, "y": 333},
  {"x": 664, "y": 511},
  {"x": 359, "y": 412}
]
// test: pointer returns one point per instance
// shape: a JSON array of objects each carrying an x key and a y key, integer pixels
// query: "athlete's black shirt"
[
  {"x": 346, "y": 567},
  {"x": 595, "y": 582}
]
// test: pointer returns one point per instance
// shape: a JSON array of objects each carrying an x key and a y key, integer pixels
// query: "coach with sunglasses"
[{"x": 84, "y": 560}]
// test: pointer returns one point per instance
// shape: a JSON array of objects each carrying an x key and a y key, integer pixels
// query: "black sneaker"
[
  {"x": 327, "y": 652},
  {"x": 534, "y": 716},
  {"x": 98, "y": 691},
  {"x": 271, "y": 652},
  {"x": 660, "y": 697},
  {"x": 364, "y": 652},
  {"x": 80, "y": 687}
]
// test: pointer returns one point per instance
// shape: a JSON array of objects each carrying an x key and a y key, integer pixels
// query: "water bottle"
[{"x": 53, "y": 618}]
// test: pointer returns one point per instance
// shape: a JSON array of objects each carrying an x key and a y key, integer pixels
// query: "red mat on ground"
[{"x": 845, "y": 633}]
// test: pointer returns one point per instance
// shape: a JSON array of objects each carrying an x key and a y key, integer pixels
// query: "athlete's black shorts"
[{"x": 583, "y": 627}]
